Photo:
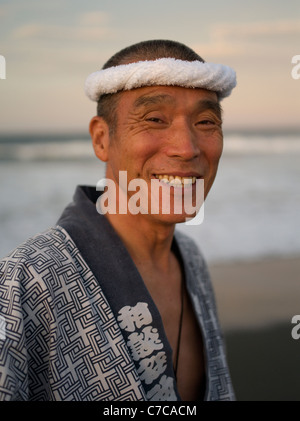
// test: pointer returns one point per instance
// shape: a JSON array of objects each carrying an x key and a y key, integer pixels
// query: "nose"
[{"x": 183, "y": 142}]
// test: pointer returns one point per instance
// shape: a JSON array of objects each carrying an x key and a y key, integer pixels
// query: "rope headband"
[{"x": 165, "y": 71}]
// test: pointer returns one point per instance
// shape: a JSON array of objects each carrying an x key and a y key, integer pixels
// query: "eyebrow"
[
  {"x": 207, "y": 104},
  {"x": 201, "y": 105},
  {"x": 147, "y": 100}
]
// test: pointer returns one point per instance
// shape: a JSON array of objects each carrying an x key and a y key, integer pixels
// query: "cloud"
[
  {"x": 94, "y": 18},
  {"x": 244, "y": 39},
  {"x": 59, "y": 32},
  {"x": 89, "y": 26},
  {"x": 27, "y": 31},
  {"x": 262, "y": 29}
]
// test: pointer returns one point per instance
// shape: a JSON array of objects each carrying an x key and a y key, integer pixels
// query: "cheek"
[
  {"x": 141, "y": 149},
  {"x": 218, "y": 152},
  {"x": 133, "y": 155},
  {"x": 214, "y": 151}
]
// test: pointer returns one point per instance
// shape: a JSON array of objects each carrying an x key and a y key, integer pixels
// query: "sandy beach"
[
  {"x": 257, "y": 293},
  {"x": 256, "y": 302}
]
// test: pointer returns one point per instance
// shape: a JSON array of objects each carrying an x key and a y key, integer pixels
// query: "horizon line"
[{"x": 82, "y": 133}]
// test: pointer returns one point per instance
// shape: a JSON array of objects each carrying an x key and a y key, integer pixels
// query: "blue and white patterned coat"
[{"x": 67, "y": 329}]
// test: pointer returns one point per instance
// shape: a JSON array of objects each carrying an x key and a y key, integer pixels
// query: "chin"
[{"x": 173, "y": 219}]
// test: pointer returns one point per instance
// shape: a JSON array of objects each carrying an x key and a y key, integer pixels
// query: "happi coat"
[{"x": 78, "y": 323}]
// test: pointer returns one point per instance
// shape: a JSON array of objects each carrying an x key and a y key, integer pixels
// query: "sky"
[{"x": 51, "y": 47}]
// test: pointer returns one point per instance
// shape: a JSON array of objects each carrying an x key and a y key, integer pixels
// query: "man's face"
[{"x": 169, "y": 132}]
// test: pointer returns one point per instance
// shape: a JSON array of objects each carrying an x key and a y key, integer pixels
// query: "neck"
[{"x": 147, "y": 241}]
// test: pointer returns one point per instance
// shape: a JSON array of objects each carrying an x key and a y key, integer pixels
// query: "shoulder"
[
  {"x": 35, "y": 244},
  {"x": 35, "y": 255}
]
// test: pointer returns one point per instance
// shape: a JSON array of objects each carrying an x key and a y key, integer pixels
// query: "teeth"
[
  {"x": 188, "y": 181},
  {"x": 176, "y": 181}
]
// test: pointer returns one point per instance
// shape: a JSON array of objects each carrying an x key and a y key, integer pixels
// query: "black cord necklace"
[{"x": 179, "y": 330}]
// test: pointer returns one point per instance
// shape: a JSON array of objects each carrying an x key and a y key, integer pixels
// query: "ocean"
[{"x": 252, "y": 211}]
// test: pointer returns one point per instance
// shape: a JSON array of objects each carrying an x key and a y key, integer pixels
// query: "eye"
[
  {"x": 206, "y": 122},
  {"x": 154, "y": 120}
]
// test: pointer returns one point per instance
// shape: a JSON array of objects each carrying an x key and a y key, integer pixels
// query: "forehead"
[{"x": 173, "y": 96}]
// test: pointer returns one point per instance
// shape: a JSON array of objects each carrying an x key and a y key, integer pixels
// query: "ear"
[{"x": 99, "y": 132}]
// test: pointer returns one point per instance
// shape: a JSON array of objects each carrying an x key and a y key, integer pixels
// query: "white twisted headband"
[{"x": 165, "y": 71}]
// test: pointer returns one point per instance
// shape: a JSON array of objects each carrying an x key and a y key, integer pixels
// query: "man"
[{"x": 110, "y": 304}]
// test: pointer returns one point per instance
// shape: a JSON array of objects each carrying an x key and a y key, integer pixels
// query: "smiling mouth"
[{"x": 176, "y": 180}]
